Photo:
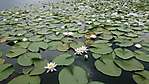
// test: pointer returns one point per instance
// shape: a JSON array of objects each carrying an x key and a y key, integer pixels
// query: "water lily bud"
[
  {"x": 138, "y": 45},
  {"x": 17, "y": 13},
  {"x": 86, "y": 56},
  {"x": 93, "y": 36},
  {"x": 24, "y": 39},
  {"x": 15, "y": 41},
  {"x": 16, "y": 20}
]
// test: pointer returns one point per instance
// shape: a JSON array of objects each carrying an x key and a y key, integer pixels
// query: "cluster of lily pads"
[{"x": 111, "y": 31}]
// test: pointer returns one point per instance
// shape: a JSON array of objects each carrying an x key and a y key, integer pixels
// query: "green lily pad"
[
  {"x": 22, "y": 44},
  {"x": 38, "y": 67},
  {"x": 2, "y": 61},
  {"x": 1, "y": 53},
  {"x": 64, "y": 59},
  {"x": 95, "y": 82},
  {"x": 14, "y": 52},
  {"x": 101, "y": 48},
  {"x": 75, "y": 45},
  {"x": 36, "y": 38},
  {"x": 25, "y": 79},
  {"x": 76, "y": 75},
  {"x": 27, "y": 58},
  {"x": 141, "y": 77},
  {"x": 53, "y": 45},
  {"x": 5, "y": 71},
  {"x": 96, "y": 56},
  {"x": 142, "y": 56},
  {"x": 43, "y": 31},
  {"x": 124, "y": 53},
  {"x": 130, "y": 65},
  {"x": 34, "y": 47},
  {"x": 63, "y": 47},
  {"x": 107, "y": 66}
]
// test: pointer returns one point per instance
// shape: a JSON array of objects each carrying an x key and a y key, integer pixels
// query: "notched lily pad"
[
  {"x": 27, "y": 58},
  {"x": 14, "y": 52}
]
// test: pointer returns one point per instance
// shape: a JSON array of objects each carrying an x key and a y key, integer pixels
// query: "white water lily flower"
[
  {"x": 4, "y": 19},
  {"x": 57, "y": 33},
  {"x": 63, "y": 26},
  {"x": 24, "y": 39},
  {"x": 39, "y": 18},
  {"x": 68, "y": 33},
  {"x": 51, "y": 67},
  {"x": 17, "y": 13},
  {"x": 108, "y": 21},
  {"x": 81, "y": 50},
  {"x": 15, "y": 41},
  {"x": 138, "y": 45},
  {"x": 93, "y": 36},
  {"x": 86, "y": 56},
  {"x": 16, "y": 19},
  {"x": 133, "y": 14},
  {"x": 19, "y": 34},
  {"x": 79, "y": 23}
]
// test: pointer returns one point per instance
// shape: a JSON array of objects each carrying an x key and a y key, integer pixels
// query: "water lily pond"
[{"x": 75, "y": 42}]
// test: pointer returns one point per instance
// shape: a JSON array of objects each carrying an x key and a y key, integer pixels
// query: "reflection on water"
[{"x": 6, "y": 4}]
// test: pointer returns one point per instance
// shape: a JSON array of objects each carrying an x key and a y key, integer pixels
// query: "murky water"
[{"x": 7, "y": 4}]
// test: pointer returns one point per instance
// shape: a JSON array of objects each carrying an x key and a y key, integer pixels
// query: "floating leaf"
[
  {"x": 124, "y": 53},
  {"x": 95, "y": 82},
  {"x": 1, "y": 53},
  {"x": 36, "y": 38},
  {"x": 27, "y": 58},
  {"x": 5, "y": 71},
  {"x": 34, "y": 47},
  {"x": 53, "y": 45},
  {"x": 101, "y": 48},
  {"x": 2, "y": 61},
  {"x": 75, "y": 45},
  {"x": 142, "y": 56},
  {"x": 14, "y": 52},
  {"x": 129, "y": 65},
  {"x": 25, "y": 79},
  {"x": 107, "y": 66},
  {"x": 22, "y": 44},
  {"x": 43, "y": 31},
  {"x": 62, "y": 47},
  {"x": 38, "y": 67},
  {"x": 76, "y": 75},
  {"x": 64, "y": 59},
  {"x": 96, "y": 56},
  {"x": 141, "y": 77}
]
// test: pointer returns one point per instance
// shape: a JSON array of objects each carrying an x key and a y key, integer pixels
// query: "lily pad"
[
  {"x": 63, "y": 47},
  {"x": 35, "y": 46},
  {"x": 142, "y": 56},
  {"x": 101, "y": 48},
  {"x": 124, "y": 53},
  {"x": 141, "y": 77},
  {"x": 25, "y": 79},
  {"x": 130, "y": 65},
  {"x": 38, "y": 67},
  {"x": 95, "y": 82},
  {"x": 27, "y": 58},
  {"x": 14, "y": 52},
  {"x": 76, "y": 75},
  {"x": 1, "y": 53},
  {"x": 5, "y": 71},
  {"x": 107, "y": 66},
  {"x": 53, "y": 45},
  {"x": 22, "y": 44},
  {"x": 64, "y": 59}
]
